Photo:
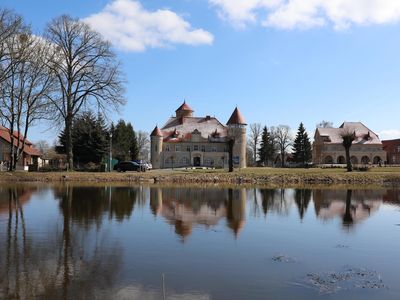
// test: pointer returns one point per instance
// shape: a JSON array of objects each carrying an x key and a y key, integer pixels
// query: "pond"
[{"x": 117, "y": 242}]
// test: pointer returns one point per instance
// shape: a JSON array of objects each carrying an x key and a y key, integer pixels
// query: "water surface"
[{"x": 114, "y": 242}]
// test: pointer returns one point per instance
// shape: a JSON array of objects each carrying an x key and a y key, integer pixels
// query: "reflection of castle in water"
[
  {"x": 352, "y": 206},
  {"x": 185, "y": 208}
]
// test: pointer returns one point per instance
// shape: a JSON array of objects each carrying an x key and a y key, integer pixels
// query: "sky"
[{"x": 279, "y": 61}]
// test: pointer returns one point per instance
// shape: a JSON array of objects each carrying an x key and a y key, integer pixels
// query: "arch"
[
  {"x": 341, "y": 160},
  {"x": 354, "y": 160},
  {"x": 328, "y": 160},
  {"x": 365, "y": 160},
  {"x": 377, "y": 160}
]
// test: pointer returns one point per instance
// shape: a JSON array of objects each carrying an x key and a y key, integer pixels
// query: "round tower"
[
  {"x": 237, "y": 131},
  {"x": 156, "y": 141},
  {"x": 184, "y": 111}
]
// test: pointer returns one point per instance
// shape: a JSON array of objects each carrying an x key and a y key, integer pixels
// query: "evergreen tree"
[
  {"x": 90, "y": 139},
  {"x": 125, "y": 144},
  {"x": 266, "y": 151},
  {"x": 302, "y": 146}
]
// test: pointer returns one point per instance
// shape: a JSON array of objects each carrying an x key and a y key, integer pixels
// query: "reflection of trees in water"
[
  {"x": 351, "y": 206},
  {"x": 70, "y": 263},
  {"x": 347, "y": 216},
  {"x": 185, "y": 208},
  {"x": 302, "y": 198},
  {"x": 87, "y": 205},
  {"x": 275, "y": 201}
]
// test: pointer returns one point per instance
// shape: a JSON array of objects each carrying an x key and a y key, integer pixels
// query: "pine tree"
[
  {"x": 267, "y": 147},
  {"x": 125, "y": 144},
  {"x": 90, "y": 139},
  {"x": 302, "y": 146}
]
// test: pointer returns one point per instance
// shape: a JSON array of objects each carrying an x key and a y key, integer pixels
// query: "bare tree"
[
  {"x": 25, "y": 91},
  {"x": 254, "y": 141},
  {"x": 347, "y": 140},
  {"x": 283, "y": 140},
  {"x": 143, "y": 144},
  {"x": 87, "y": 73},
  {"x": 325, "y": 124},
  {"x": 11, "y": 24}
]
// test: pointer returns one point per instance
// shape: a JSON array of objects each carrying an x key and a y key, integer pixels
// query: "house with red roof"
[
  {"x": 30, "y": 155},
  {"x": 392, "y": 148},
  {"x": 190, "y": 141},
  {"x": 328, "y": 149}
]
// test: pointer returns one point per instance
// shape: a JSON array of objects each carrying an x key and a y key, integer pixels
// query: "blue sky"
[{"x": 281, "y": 62}]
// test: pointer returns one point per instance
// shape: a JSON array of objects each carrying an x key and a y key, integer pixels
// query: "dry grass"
[{"x": 250, "y": 176}]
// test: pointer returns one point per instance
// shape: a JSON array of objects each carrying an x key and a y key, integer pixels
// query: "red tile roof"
[
  {"x": 178, "y": 129},
  {"x": 184, "y": 106},
  {"x": 156, "y": 132},
  {"x": 236, "y": 118},
  {"x": 28, "y": 149},
  {"x": 363, "y": 134}
]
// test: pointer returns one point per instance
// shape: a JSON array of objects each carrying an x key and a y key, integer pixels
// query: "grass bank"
[{"x": 256, "y": 176}]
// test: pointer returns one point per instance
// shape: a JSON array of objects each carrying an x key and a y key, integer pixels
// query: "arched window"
[
  {"x": 328, "y": 160},
  {"x": 377, "y": 160},
  {"x": 341, "y": 160},
  {"x": 354, "y": 160},
  {"x": 365, "y": 160}
]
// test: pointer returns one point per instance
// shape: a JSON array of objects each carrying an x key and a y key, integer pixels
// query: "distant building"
[
  {"x": 366, "y": 149},
  {"x": 392, "y": 148},
  {"x": 188, "y": 141},
  {"x": 30, "y": 156}
]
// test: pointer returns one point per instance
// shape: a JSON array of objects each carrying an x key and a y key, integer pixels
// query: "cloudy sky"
[{"x": 280, "y": 61}]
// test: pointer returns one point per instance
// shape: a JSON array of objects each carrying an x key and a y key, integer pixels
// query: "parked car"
[
  {"x": 129, "y": 166},
  {"x": 145, "y": 164}
]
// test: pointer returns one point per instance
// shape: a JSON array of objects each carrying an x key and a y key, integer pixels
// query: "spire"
[
  {"x": 236, "y": 118},
  {"x": 156, "y": 132},
  {"x": 184, "y": 107}
]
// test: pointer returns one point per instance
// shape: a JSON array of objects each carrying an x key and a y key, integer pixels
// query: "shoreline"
[{"x": 250, "y": 176}]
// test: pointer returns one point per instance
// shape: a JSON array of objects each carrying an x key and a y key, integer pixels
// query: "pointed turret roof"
[
  {"x": 156, "y": 132},
  {"x": 236, "y": 118},
  {"x": 184, "y": 106}
]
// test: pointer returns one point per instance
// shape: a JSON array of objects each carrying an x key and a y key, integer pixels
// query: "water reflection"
[
  {"x": 66, "y": 263},
  {"x": 186, "y": 208},
  {"x": 351, "y": 206},
  {"x": 75, "y": 254}
]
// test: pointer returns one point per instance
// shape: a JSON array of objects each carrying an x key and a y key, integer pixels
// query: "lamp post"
[{"x": 110, "y": 151}]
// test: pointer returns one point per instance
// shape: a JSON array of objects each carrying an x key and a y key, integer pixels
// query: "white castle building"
[{"x": 188, "y": 141}]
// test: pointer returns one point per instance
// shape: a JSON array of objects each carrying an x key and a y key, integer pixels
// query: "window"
[
  {"x": 185, "y": 161},
  {"x": 156, "y": 148},
  {"x": 178, "y": 148},
  {"x": 188, "y": 148},
  {"x": 398, "y": 149},
  {"x": 203, "y": 148},
  {"x": 209, "y": 161},
  {"x": 213, "y": 149},
  {"x": 196, "y": 148},
  {"x": 167, "y": 148}
]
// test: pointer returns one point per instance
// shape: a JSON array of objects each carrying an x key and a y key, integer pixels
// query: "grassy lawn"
[{"x": 249, "y": 175}]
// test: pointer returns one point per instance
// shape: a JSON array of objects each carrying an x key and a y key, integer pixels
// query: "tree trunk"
[
  {"x": 283, "y": 159},
  {"x": 12, "y": 153},
  {"x": 231, "y": 143},
  {"x": 348, "y": 160},
  {"x": 68, "y": 143}
]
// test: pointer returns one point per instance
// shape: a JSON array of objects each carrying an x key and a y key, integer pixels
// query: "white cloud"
[
  {"x": 131, "y": 27},
  {"x": 291, "y": 14},
  {"x": 241, "y": 12},
  {"x": 390, "y": 134}
]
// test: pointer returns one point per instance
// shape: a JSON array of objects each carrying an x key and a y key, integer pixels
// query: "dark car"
[{"x": 129, "y": 166}]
